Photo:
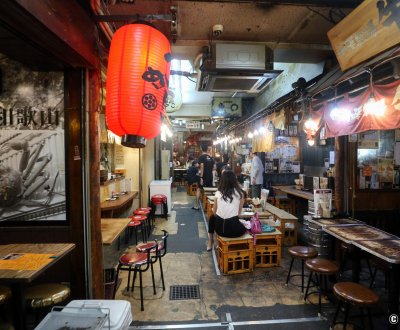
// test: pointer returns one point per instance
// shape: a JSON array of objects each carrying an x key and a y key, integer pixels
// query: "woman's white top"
[{"x": 225, "y": 209}]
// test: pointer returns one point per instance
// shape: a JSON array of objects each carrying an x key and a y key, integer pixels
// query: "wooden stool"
[
  {"x": 303, "y": 253},
  {"x": 45, "y": 295},
  {"x": 235, "y": 255},
  {"x": 350, "y": 293},
  {"x": 192, "y": 189},
  {"x": 323, "y": 268}
]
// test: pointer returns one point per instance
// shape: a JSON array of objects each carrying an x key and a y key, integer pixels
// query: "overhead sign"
[
  {"x": 371, "y": 28},
  {"x": 226, "y": 107},
  {"x": 193, "y": 124}
]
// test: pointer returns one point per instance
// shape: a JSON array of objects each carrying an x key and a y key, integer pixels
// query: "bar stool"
[
  {"x": 353, "y": 294},
  {"x": 138, "y": 262},
  {"x": 135, "y": 225},
  {"x": 5, "y": 294},
  {"x": 162, "y": 250},
  {"x": 322, "y": 268},
  {"x": 42, "y": 296},
  {"x": 159, "y": 199},
  {"x": 303, "y": 253},
  {"x": 148, "y": 208},
  {"x": 143, "y": 220},
  {"x": 146, "y": 213}
]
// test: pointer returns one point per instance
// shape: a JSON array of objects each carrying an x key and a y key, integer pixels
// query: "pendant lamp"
[{"x": 137, "y": 83}]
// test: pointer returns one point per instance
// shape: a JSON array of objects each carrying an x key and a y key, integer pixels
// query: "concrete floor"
[{"x": 260, "y": 297}]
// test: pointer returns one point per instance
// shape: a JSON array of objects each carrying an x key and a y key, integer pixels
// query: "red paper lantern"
[{"x": 137, "y": 83}]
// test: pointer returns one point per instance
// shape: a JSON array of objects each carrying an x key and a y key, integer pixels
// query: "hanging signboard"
[
  {"x": 192, "y": 124},
  {"x": 226, "y": 107},
  {"x": 371, "y": 28}
]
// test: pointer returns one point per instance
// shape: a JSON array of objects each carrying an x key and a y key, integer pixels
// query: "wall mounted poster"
[{"x": 32, "y": 145}]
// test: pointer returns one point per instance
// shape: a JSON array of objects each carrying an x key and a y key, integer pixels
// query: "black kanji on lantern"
[{"x": 155, "y": 77}]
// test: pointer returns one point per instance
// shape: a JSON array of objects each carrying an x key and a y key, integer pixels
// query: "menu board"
[
  {"x": 25, "y": 261},
  {"x": 323, "y": 202}
]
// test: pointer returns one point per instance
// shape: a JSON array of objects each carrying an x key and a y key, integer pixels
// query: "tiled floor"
[{"x": 260, "y": 296}]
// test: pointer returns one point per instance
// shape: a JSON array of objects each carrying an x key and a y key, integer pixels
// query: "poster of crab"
[{"x": 32, "y": 145}]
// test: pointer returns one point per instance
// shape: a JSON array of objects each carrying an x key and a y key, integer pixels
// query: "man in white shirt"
[{"x": 256, "y": 175}]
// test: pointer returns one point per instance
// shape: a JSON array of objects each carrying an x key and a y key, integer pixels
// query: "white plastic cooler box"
[{"x": 91, "y": 315}]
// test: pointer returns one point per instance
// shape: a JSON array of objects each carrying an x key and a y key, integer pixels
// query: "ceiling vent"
[{"x": 237, "y": 68}]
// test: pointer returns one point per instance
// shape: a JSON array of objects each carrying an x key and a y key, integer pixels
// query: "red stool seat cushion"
[
  {"x": 143, "y": 246},
  {"x": 138, "y": 217},
  {"x": 134, "y": 223},
  {"x": 158, "y": 199},
  {"x": 136, "y": 258},
  {"x": 141, "y": 212},
  {"x": 144, "y": 208}
]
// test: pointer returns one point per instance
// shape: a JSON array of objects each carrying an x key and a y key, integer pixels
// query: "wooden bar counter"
[
  {"x": 112, "y": 228},
  {"x": 121, "y": 203}
]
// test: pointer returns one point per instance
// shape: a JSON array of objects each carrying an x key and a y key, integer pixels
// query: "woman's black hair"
[{"x": 229, "y": 185}]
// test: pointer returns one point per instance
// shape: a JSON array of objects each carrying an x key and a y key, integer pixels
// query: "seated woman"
[{"x": 228, "y": 203}]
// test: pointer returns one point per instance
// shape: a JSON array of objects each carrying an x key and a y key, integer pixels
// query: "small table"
[
  {"x": 111, "y": 229},
  {"x": 378, "y": 243},
  {"x": 19, "y": 273},
  {"x": 122, "y": 202}
]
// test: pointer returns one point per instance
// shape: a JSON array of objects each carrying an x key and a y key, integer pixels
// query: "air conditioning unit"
[{"x": 237, "y": 68}]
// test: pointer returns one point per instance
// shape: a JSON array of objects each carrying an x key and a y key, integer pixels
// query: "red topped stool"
[
  {"x": 138, "y": 262},
  {"x": 146, "y": 213},
  {"x": 143, "y": 220},
  {"x": 160, "y": 199},
  {"x": 162, "y": 250},
  {"x": 135, "y": 224}
]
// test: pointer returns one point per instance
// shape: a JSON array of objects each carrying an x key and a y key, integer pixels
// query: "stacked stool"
[
  {"x": 303, "y": 253},
  {"x": 322, "y": 268},
  {"x": 160, "y": 199},
  {"x": 353, "y": 294}
]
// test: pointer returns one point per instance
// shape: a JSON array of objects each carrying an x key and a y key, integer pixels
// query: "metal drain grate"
[{"x": 184, "y": 292}]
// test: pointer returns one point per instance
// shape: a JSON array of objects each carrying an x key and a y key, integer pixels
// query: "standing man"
[
  {"x": 256, "y": 175},
  {"x": 193, "y": 177},
  {"x": 206, "y": 168}
]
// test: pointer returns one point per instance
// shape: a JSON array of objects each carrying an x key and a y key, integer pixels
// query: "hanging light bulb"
[
  {"x": 311, "y": 142},
  {"x": 250, "y": 135},
  {"x": 375, "y": 108}
]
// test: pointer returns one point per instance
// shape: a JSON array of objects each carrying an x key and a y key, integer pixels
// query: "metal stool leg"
[
  {"x": 336, "y": 314},
  {"x": 308, "y": 285},
  {"x": 162, "y": 273},
  {"x": 290, "y": 270}
]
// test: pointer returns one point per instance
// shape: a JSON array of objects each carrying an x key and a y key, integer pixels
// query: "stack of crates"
[
  {"x": 235, "y": 255},
  {"x": 267, "y": 251}
]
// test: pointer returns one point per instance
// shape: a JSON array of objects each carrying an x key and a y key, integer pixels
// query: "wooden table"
[
  {"x": 18, "y": 273},
  {"x": 379, "y": 243},
  {"x": 121, "y": 203},
  {"x": 111, "y": 229},
  {"x": 291, "y": 190}
]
